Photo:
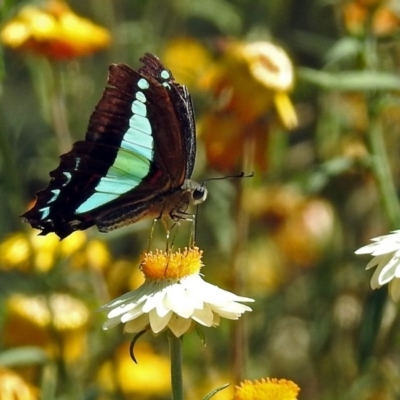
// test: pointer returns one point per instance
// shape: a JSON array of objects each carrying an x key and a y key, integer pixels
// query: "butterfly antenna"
[
  {"x": 195, "y": 217},
  {"x": 217, "y": 178}
]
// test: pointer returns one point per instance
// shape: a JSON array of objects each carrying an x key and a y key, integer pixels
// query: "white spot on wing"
[
  {"x": 55, "y": 192},
  {"x": 165, "y": 74},
  {"x": 140, "y": 123},
  {"x": 143, "y": 84},
  {"x": 45, "y": 212},
  {"x": 140, "y": 96},
  {"x": 68, "y": 175},
  {"x": 139, "y": 108}
]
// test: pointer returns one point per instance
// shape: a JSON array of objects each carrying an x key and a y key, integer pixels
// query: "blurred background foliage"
[{"x": 325, "y": 152}]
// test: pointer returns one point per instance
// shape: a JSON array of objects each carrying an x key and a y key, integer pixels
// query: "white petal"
[
  {"x": 368, "y": 249},
  {"x": 137, "y": 325},
  {"x": 217, "y": 320},
  {"x": 157, "y": 323},
  {"x": 386, "y": 248},
  {"x": 127, "y": 298},
  {"x": 135, "y": 313},
  {"x": 381, "y": 262},
  {"x": 110, "y": 323},
  {"x": 179, "y": 301},
  {"x": 121, "y": 310},
  {"x": 375, "y": 280},
  {"x": 373, "y": 263},
  {"x": 382, "y": 245},
  {"x": 394, "y": 289},
  {"x": 162, "y": 308},
  {"x": 204, "y": 316},
  {"x": 210, "y": 293},
  {"x": 233, "y": 312},
  {"x": 388, "y": 272},
  {"x": 178, "y": 325},
  {"x": 153, "y": 300}
]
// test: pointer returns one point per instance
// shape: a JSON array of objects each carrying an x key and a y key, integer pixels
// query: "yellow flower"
[
  {"x": 174, "y": 297},
  {"x": 135, "y": 381},
  {"x": 32, "y": 320},
  {"x": 188, "y": 58},
  {"x": 14, "y": 387},
  {"x": 267, "y": 389},
  {"x": 32, "y": 252},
  {"x": 54, "y": 31}
]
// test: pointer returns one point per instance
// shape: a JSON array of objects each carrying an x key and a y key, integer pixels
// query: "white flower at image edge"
[
  {"x": 386, "y": 258},
  {"x": 173, "y": 302}
]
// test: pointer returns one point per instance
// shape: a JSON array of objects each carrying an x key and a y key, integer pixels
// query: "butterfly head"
[{"x": 197, "y": 191}]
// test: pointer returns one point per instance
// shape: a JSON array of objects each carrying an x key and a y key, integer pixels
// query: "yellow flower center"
[
  {"x": 169, "y": 265},
  {"x": 267, "y": 389}
]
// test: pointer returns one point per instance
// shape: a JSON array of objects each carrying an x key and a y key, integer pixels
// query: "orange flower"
[
  {"x": 250, "y": 78},
  {"x": 248, "y": 82},
  {"x": 300, "y": 228},
  {"x": 385, "y": 20},
  {"x": 54, "y": 31},
  {"x": 224, "y": 137}
]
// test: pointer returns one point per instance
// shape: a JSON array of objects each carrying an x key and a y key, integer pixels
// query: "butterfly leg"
[
  {"x": 151, "y": 233},
  {"x": 179, "y": 215},
  {"x": 168, "y": 232},
  {"x": 185, "y": 216},
  {"x": 174, "y": 227},
  {"x": 193, "y": 230}
]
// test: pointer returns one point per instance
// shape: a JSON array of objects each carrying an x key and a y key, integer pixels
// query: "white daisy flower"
[
  {"x": 386, "y": 258},
  {"x": 174, "y": 296}
]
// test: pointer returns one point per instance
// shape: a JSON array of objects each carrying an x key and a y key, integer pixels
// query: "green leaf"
[
  {"x": 215, "y": 391},
  {"x": 320, "y": 178},
  {"x": 345, "y": 49},
  {"x": 201, "y": 335},
  {"x": 22, "y": 356},
  {"x": 350, "y": 80},
  {"x": 220, "y": 12}
]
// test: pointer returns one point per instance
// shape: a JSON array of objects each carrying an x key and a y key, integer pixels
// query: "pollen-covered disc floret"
[
  {"x": 173, "y": 296},
  {"x": 267, "y": 389},
  {"x": 162, "y": 265},
  {"x": 386, "y": 258}
]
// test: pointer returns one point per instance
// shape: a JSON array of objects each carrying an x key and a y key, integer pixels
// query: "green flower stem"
[
  {"x": 242, "y": 221},
  {"x": 382, "y": 172},
  {"x": 175, "y": 348},
  {"x": 58, "y": 111}
]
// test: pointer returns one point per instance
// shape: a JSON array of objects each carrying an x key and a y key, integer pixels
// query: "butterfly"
[{"x": 135, "y": 162}]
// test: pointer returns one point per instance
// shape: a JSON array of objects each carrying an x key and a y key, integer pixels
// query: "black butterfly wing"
[
  {"x": 140, "y": 145},
  {"x": 181, "y": 102}
]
